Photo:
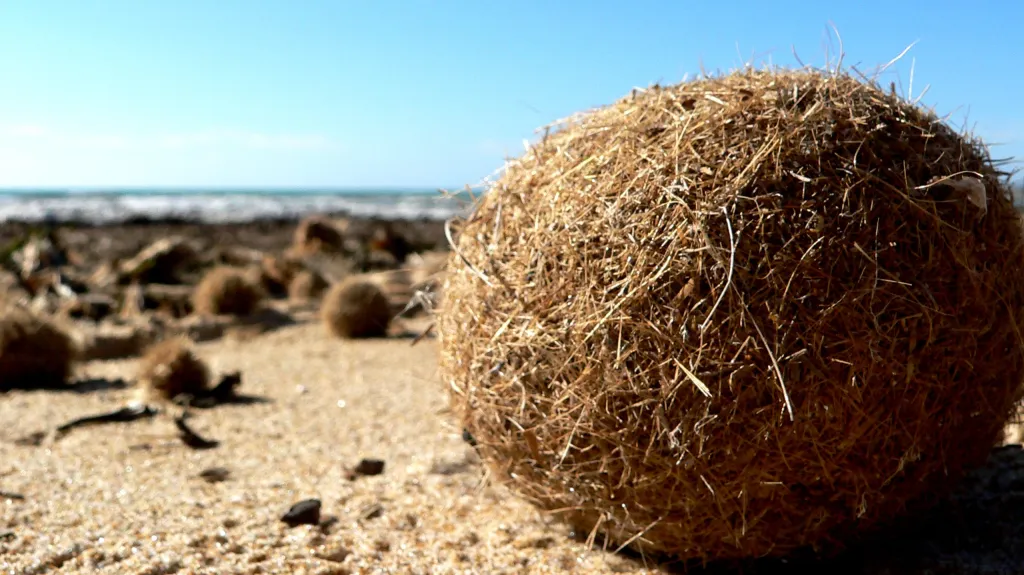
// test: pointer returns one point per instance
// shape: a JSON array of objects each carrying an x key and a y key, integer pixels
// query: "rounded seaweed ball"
[
  {"x": 738, "y": 317},
  {"x": 356, "y": 308},
  {"x": 171, "y": 368},
  {"x": 278, "y": 272},
  {"x": 227, "y": 290},
  {"x": 34, "y": 353},
  {"x": 316, "y": 234},
  {"x": 307, "y": 285}
]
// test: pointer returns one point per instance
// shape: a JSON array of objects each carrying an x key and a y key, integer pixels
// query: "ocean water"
[{"x": 224, "y": 206}]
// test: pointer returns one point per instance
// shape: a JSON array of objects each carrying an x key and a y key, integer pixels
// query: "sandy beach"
[
  {"x": 130, "y": 498},
  {"x": 133, "y": 498}
]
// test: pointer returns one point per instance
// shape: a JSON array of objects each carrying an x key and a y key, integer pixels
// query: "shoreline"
[
  {"x": 218, "y": 207},
  {"x": 265, "y": 233}
]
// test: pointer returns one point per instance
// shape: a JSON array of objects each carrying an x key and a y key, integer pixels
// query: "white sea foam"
[{"x": 103, "y": 208}]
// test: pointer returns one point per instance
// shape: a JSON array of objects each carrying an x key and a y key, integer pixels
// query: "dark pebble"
[
  {"x": 468, "y": 437},
  {"x": 366, "y": 467},
  {"x": 215, "y": 474},
  {"x": 305, "y": 512},
  {"x": 370, "y": 467}
]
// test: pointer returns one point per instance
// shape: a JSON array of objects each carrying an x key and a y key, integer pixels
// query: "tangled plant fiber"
[
  {"x": 316, "y": 234},
  {"x": 737, "y": 317},
  {"x": 276, "y": 273},
  {"x": 34, "y": 352},
  {"x": 226, "y": 290},
  {"x": 307, "y": 285},
  {"x": 355, "y": 308},
  {"x": 171, "y": 368}
]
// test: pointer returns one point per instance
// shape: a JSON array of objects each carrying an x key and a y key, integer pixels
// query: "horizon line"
[{"x": 239, "y": 188}]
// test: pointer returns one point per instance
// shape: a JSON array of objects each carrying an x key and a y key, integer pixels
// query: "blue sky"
[{"x": 420, "y": 93}]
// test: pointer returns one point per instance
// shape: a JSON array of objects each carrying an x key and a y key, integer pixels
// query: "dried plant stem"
[{"x": 728, "y": 281}]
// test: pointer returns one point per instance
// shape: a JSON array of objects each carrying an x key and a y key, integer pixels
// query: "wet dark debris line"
[
  {"x": 224, "y": 393},
  {"x": 122, "y": 415},
  {"x": 190, "y": 437},
  {"x": 80, "y": 386}
]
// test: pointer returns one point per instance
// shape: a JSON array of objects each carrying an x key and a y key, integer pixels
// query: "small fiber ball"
[
  {"x": 171, "y": 368},
  {"x": 227, "y": 291},
  {"x": 742, "y": 316},
  {"x": 307, "y": 285},
  {"x": 34, "y": 353},
  {"x": 356, "y": 308},
  {"x": 278, "y": 272},
  {"x": 317, "y": 234}
]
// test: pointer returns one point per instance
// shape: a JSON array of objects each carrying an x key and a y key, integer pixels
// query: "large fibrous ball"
[{"x": 740, "y": 316}]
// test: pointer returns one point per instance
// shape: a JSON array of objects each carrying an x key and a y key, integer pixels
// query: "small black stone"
[
  {"x": 215, "y": 474},
  {"x": 306, "y": 512},
  {"x": 468, "y": 437},
  {"x": 369, "y": 467}
]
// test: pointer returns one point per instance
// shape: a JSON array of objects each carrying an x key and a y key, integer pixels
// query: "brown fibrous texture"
[
  {"x": 307, "y": 285},
  {"x": 227, "y": 291},
  {"x": 171, "y": 368},
  {"x": 276, "y": 273},
  {"x": 754, "y": 313},
  {"x": 356, "y": 308},
  {"x": 317, "y": 234},
  {"x": 34, "y": 352}
]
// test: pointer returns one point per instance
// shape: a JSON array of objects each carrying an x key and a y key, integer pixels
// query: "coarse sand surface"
[
  {"x": 129, "y": 497},
  {"x": 132, "y": 498}
]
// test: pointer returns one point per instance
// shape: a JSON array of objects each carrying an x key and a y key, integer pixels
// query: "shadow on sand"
[
  {"x": 85, "y": 385},
  {"x": 978, "y": 531}
]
